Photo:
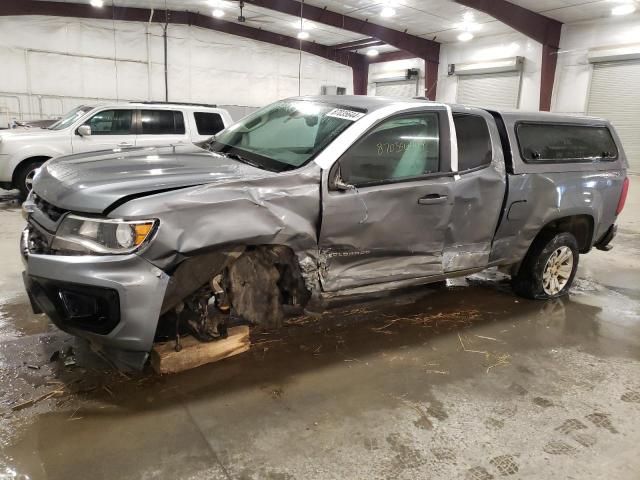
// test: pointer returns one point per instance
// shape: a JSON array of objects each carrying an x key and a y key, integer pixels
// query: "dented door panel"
[
  {"x": 477, "y": 201},
  {"x": 382, "y": 234}
]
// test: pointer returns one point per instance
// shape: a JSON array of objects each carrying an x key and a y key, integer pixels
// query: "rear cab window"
[
  {"x": 208, "y": 123},
  {"x": 565, "y": 143},
  {"x": 161, "y": 122},
  {"x": 474, "y": 142}
]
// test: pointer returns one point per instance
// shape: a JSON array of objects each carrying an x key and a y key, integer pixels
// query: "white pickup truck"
[{"x": 100, "y": 127}]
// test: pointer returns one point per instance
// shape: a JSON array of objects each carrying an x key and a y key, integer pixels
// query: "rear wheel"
[
  {"x": 549, "y": 268},
  {"x": 24, "y": 177}
]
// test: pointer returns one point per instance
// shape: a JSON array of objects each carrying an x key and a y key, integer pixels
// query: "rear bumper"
[
  {"x": 113, "y": 301},
  {"x": 605, "y": 242}
]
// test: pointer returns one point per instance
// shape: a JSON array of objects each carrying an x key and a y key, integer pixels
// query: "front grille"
[
  {"x": 52, "y": 212},
  {"x": 37, "y": 242}
]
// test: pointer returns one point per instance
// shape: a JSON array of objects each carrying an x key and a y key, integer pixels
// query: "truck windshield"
[
  {"x": 70, "y": 117},
  {"x": 284, "y": 135}
]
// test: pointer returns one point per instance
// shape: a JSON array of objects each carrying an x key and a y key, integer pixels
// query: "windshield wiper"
[{"x": 242, "y": 159}]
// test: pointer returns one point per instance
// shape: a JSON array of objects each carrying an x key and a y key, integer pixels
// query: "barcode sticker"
[{"x": 345, "y": 114}]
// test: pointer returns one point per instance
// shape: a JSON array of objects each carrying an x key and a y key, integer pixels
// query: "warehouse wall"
[
  {"x": 51, "y": 64},
  {"x": 395, "y": 68},
  {"x": 493, "y": 48},
  {"x": 573, "y": 74},
  {"x": 481, "y": 49}
]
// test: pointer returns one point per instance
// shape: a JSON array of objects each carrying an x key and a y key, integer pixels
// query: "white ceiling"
[{"x": 432, "y": 19}]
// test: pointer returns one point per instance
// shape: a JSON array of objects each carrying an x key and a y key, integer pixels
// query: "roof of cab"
[
  {"x": 359, "y": 102},
  {"x": 372, "y": 103}
]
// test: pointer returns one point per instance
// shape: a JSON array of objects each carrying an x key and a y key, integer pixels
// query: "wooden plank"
[{"x": 164, "y": 358}]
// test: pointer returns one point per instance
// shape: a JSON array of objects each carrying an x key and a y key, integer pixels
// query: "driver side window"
[
  {"x": 400, "y": 148},
  {"x": 111, "y": 122}
]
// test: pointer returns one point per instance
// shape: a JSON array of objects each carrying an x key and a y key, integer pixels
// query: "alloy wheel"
[{"x": 557, "y": 271}]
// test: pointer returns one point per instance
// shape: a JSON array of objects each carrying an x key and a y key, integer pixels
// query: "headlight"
[{"x": 102, "y": 236}]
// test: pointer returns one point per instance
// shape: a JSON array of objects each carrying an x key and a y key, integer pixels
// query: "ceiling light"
[
  {"x": 302, "y": 35},
  {"x": 624, "y": 9},
  {"x": 465, "y": 36},
  {"x": 218, "y": 13},
  {"x": 372, "y": 53},
  {"x": 468, "y": 23},
  {"x": 387, "y": 12},
  {"x": 468, "y": 26},
  {"x": 97, "y": 3}
]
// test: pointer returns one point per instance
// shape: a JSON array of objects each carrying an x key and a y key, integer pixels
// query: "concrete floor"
[{"x": 463, "y": 382}]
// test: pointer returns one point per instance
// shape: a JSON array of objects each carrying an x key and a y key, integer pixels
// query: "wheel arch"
[
  {"x": 18, "y": 168},
  {"x": 581, "y": 226}
]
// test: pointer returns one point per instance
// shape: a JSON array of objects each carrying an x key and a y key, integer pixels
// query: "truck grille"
[{"x": 52, "y": 212}]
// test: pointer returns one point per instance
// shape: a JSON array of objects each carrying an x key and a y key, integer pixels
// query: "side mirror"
[
  {"x": 339, "y": 184},
  {"x": 84, "y": 131}
]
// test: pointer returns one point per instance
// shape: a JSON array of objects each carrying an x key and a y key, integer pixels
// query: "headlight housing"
[{"x": 77, "y": 235}]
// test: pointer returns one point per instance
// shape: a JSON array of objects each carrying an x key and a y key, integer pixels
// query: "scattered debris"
[
  {"x": 483, "y": 352},
  {"x": 493, "y": 359},
  {"x": 35, "y": 400},
  {"x": 487, "y": 338},
  {"x": 109, "y": 391},
  {"x": 499, "y": 360}
]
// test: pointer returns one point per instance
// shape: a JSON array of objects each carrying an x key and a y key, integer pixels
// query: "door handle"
[
  {"x": 125, "y": 144},
  {"x": 432, "y": 199}
]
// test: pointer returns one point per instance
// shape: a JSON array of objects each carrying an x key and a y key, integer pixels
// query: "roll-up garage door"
[
  {"x": 497, "y": 90},
  {"x": 405, "y": 89},
  {"x": 615, "y": 95}
]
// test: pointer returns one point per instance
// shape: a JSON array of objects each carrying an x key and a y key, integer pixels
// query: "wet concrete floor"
[{"x": 467, "y": 381}]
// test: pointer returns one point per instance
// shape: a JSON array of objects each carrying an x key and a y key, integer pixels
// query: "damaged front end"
[{"x": 256, "y": 285}]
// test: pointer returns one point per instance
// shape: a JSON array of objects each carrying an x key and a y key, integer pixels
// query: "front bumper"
[{"x": 113, "y": 301}]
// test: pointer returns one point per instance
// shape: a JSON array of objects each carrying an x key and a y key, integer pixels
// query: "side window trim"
[
  {"x": 548, "y": 161},
  {"x": 474, "y": 169},
  {"x": 443, "y": 120},
  {"x": 333, "y": 172}
]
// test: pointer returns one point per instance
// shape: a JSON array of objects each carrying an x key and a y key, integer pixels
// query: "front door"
[
  {"x": 112, "y": 128},
  {"x": 387, "y": 203}
]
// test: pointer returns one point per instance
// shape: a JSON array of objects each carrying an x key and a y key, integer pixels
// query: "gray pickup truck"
[{"x": 312, "y": 198}]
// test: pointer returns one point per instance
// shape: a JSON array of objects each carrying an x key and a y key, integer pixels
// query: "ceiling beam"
[
  {"x": 391, "y": 56},
  {"x": 534, "y": 25},
  {"x": 83, "y": 10},
  {"x": 364, "y": 43},
  {"x": 542, "y": 29},
  {"x": 420, "y": 47}
]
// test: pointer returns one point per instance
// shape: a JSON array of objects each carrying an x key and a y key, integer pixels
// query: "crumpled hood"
[{"x": 91, "y": 182}]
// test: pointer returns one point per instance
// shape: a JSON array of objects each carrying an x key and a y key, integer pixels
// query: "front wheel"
[
  {"x": 549, "y": 268},
  {"x": 24, "y": 178}
]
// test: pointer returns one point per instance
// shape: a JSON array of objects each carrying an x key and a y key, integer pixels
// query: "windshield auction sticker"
[{"x": 345, "y": 114}]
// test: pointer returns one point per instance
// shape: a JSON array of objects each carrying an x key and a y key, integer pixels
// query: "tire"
[
  {"x": 549, "y": 267},
  {"x": 24, "y": 177}
]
